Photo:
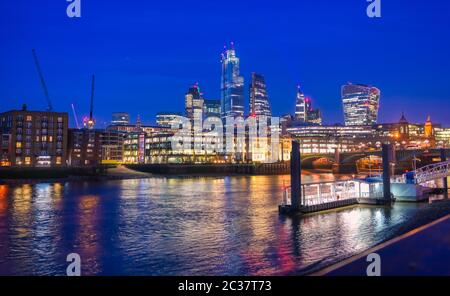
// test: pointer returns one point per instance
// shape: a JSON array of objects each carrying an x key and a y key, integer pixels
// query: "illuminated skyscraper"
[
  {"x": 193, "y": 101},
  {"x": 360, "y": 104},
  {"x": 300, "y": 106},
  {"x": 259, "y": 102},
  {"x": 232, "y": 85}
]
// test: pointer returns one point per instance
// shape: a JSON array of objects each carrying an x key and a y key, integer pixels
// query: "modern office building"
[
  {"x": 120, "y": 118},
  {"x": 304, "y": 112},
  {"x": 193, "y": 101},
  {"x": 112, "y": 146},
  {"x": 360, "y": 104},
  {"x": 300, "y": 106},
  {"x": 211, "y": 108},
  {"x": 169, "y": 119},
  {"x": 33, "y": 138},
  {"x": 232, "y": 85},
  {"x": 259, "y": 101}
]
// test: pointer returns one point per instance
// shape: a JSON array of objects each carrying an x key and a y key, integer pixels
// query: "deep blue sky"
[{"x": 145, "y": 54}]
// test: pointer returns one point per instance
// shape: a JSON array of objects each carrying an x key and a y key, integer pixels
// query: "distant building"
[
  {"x": 304, "y": 112},
  {"x": 112, "y": 146},
  {"x": 85, "y": 147},
  {"x": 360, "y": 104},
  {"x": 328, "y": 139},
  {"x": 120, "y": 118},
  {"x": 168, "y": 119},
  {"x": 134, "y": 148},
  {"x": 232, "y": 85},
  {"x": 211, "y": 108},
  {"x": 33, "y": 138},
  {"x": 259, "y": 101},
  {"x": 193, "y": 101},
  {"x": 443, "y": 137},
  {"x": 300, "y": 106},
  {"x": 314, "y": 116}
]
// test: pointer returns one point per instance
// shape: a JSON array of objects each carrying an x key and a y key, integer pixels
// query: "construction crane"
[
  {"x": 41, "y": 76},
  {"x": 90, "y": 122},
  {"x": 75, "y": 116}
]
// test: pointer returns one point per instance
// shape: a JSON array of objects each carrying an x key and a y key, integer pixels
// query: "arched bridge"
[
  {"x": 345, "y": 162},
  {"x": 432, "y": 172}
]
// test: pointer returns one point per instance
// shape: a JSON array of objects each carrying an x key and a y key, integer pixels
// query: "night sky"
[{"x": 145, "y": 54}]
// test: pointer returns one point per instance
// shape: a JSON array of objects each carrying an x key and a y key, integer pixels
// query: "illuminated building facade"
[
  {"x": 232, "y": 85},
  {"x": 360, "y": 104},
  {"x": 120, "y": 118},
  {"x": 85, "y": 147},
  {"x": 443, "y": 137},
  {"x": 327, "y": 139},
  {"x": 300, "y": 106},
  {"x": 193, "y": 102},
  {"x": 33, "y": 138},
  {"x": 304, "y": 112},
  {"x": 112, "y": 145},
  {"x": 168, "y": 119},
  {"x": 259, "y": 101},
  {"x": 211, "y": 108},
  {"x": 134, "y": 148}
]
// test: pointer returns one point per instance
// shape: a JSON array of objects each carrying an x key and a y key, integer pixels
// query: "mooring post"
[
  {"x": 386, "y": 150},
  {"x": 444, "y": 180},
  {"x": 295, "y": 176}
]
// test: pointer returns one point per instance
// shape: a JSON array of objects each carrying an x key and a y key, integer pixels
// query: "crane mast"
[
  {"x": 90, "y": 122},
  {"x": 44, "y": 85}
]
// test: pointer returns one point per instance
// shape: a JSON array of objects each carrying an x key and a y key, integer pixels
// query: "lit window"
[
  {"x": 18, "y": 144},
  {"x": 58, "y": 160},
  {"x": 29, "y": 118}
]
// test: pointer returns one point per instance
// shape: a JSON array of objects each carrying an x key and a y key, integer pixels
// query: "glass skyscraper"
[
  {"x": 232, "y": 86},
  {"x": 300, "y": 106},
  {"x": 360, "y": 103},
  {"x": 259, "y": 102}
]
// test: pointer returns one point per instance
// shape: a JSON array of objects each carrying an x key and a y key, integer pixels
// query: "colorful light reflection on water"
[{"x": 179, "y": 226}]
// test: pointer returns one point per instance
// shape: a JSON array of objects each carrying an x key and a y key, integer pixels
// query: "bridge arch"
[{"x": 308, "y": 159}]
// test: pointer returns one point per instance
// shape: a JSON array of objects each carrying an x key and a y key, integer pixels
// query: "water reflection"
[{"x": 170, "y": 226}]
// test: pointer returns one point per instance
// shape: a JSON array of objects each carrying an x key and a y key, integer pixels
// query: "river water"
[{"x": 180, "y": 226}]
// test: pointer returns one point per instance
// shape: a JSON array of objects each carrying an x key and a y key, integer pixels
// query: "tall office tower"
[
  {"x": 232, "y": 85},
  {"x": 259, "y": 102},
  {"x": 120, "y": 118},
  {"x": 300, "y": 106},
  {"x": 360, "y": 104},
  {"x": 193, "y": 101}
]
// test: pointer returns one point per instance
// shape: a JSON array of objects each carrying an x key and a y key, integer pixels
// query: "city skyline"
[{"x": 152, "y": 79}]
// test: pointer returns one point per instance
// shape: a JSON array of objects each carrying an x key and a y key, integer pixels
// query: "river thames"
[{"x": 180, "y": 226}]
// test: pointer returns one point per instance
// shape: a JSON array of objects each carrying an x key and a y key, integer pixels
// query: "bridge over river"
[
  {"x": 314, "y": 197},
  {"x": 345, "y": 162}
]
